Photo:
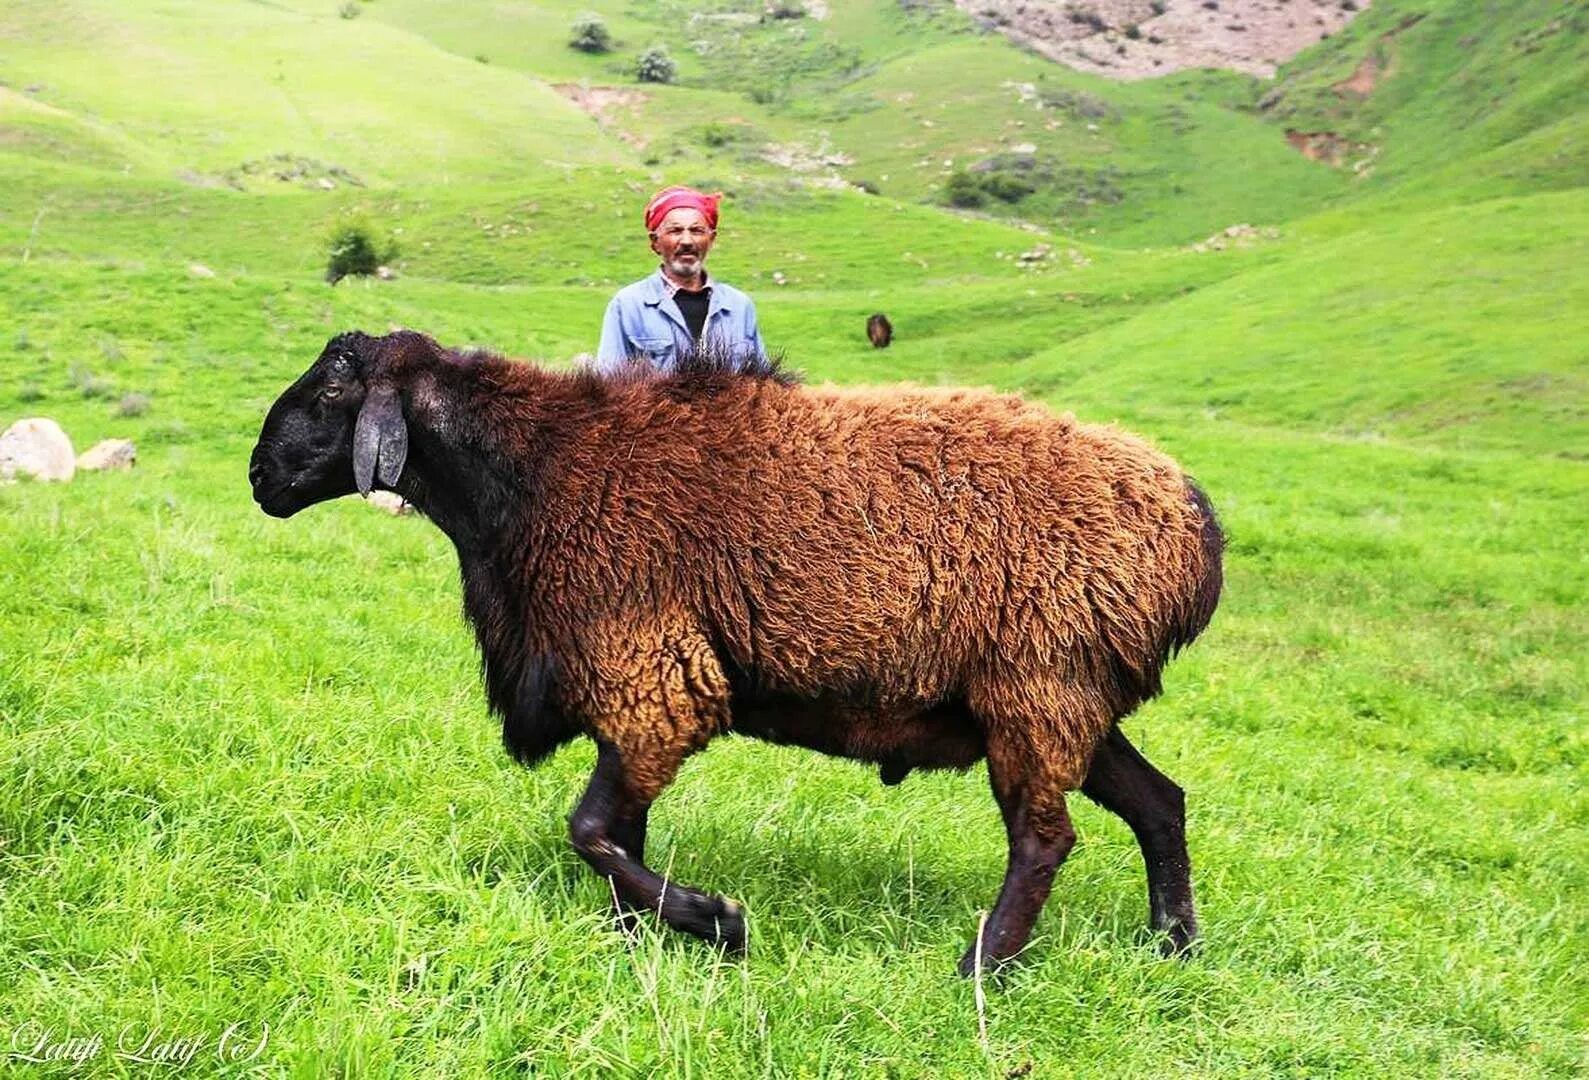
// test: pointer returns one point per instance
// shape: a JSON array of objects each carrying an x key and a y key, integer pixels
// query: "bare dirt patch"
[
  {"x": 1361, "y": 82},
  {"x": 603, "y": 103},
  {"x": 1377, "y": 66},
  {"x": 1333, "y": 149},
  {"x": 1141, "y": 39}
]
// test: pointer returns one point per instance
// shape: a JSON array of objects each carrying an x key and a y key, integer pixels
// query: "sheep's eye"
[{"x": 330, "y": 392}]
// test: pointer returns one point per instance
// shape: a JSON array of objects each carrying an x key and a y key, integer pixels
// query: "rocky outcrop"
[{"x": 1141, "y": 39}]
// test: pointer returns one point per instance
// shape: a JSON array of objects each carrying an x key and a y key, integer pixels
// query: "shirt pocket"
[{"x": 658, "y": 350}]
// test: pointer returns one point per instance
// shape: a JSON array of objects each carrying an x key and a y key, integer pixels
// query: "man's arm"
[
  {"x": 752, "y": 331},
  {"x": 613, "y": 349}
]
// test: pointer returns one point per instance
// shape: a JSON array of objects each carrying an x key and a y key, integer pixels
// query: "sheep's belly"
[{"x": 940, "y": 736}]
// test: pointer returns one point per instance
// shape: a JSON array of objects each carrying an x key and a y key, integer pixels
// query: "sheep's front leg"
[{"x": 609, "y": 810}]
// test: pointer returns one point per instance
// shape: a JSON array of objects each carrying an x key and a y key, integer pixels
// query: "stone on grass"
[
  {"x": 391, "y": 502},
  {"x": 108, "y": 454},
  {"x": 36, "y": 447}
]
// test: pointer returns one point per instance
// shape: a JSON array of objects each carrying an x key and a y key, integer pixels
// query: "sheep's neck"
[{"x": 463, "y": 478}]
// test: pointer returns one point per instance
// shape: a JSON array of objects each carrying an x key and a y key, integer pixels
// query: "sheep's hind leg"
[
  {"x": 1040, "y": 837},
  {"x": 1122, "y": 780},
  {"x": 630, "y": 835},
  {"x": 608, "y": 810}
]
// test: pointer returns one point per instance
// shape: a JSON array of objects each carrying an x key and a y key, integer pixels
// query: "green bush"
[
  {"x": 1007, "y": 188},
  {"x": 963, "y": 190},
  {"x": 350, "y": 10},
  {"x": 971, "y": 189},
  {"x": 356, "y": 248},
  {"x": 655, "y": 66},
  {"x": 717, "y": 135},
  {"x": 589, "y": 34}
]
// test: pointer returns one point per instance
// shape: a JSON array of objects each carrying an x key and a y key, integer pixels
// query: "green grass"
[{"x": 246, "y": 769}]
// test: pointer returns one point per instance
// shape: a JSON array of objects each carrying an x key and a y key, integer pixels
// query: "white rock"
[
  {"x": 36, "y": 447},
  {"x": 385, "y": 273},
  {"x": 108, "y": 454},
  {"x": 391, "y": 502},
  {"x": 200, "y": 270}
]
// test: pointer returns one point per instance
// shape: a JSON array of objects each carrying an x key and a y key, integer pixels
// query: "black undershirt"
[{"x": 692, "y": 305}]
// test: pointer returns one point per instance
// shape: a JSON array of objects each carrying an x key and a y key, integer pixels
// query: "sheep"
[
  {"x": 879, "y": 331},
  {"x": 917, "y": 579}
]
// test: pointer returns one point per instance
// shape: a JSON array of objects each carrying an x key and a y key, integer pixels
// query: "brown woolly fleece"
[{"x": 913, "y": 577}]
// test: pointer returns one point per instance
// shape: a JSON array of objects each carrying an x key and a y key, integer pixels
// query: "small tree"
[
  {"x": 655, "y": 66},
  {"x": 589, "y": 34},
  {"x": 356, "y": 249}
]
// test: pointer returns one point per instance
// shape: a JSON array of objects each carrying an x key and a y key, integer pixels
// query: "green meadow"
[{"x": 248, "y": 781}]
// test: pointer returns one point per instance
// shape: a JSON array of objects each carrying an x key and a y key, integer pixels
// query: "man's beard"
[{"x": 686, "y": 267}]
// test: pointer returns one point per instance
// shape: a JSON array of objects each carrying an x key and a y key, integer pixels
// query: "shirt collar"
[{"x": 669, "y": 289}]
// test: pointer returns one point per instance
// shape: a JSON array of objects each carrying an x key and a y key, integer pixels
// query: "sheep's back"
[{"x": 897, "y": 541}]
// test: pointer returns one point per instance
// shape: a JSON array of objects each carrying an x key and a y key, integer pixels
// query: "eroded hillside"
[{"x": 1141, "y": 39}]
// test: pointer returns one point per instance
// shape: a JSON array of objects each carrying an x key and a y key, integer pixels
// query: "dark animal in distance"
[
  {"x": 879, "y": 330},
  {"x": 919, "y": 579}
]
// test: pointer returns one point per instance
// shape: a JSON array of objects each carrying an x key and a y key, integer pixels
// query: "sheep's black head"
[{"x": 334, "y": 431}]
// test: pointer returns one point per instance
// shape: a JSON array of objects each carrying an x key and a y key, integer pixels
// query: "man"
[{"x": 678, "y": 307}]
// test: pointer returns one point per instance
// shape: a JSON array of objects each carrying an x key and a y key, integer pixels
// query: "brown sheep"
[
  {"x": 913, "y": 578},
  {"x": 879, "y": 331}
]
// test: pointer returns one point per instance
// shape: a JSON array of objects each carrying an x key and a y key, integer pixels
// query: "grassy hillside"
[{"x": 246, "y": 770}]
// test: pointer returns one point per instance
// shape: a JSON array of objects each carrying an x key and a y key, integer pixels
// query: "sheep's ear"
[{"x": 380, "y": 439}]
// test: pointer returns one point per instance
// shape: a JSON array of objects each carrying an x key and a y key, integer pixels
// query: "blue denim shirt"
[{"x": 643, "y": 320}]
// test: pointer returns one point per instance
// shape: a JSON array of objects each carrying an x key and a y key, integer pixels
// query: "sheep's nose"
[{"x": 256, "y": 473}]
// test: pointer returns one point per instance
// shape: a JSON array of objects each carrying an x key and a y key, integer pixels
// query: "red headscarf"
[{"x": 671, "y": 198}]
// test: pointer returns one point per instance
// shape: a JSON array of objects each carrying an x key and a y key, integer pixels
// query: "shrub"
[
  {"x": 717, "y": 134},
  {"x": 589, "y": 34},
  {"x": 133, "y": 404},
  {"x": 655, "y": 66},
  {"x": 1134, "y": 32},
  {"x": 356, "y": 248},
  {"x": 88, "y": 384},
  {"x": 350, "y": 10},
  {"x": 1007, "y": 188},
  {"x": 30, "y": 392},
  {"x": 1087, "y": 17},
  {"x": 963, "y": 190}
]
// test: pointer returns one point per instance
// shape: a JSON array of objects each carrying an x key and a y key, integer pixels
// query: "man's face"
[{"x": 682, "y": 239}]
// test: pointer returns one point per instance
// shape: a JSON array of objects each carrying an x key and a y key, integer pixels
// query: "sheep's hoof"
[
  {"x": 990, "y": 964},
  {"x": 715, "y": 920},
  {"x": 893, "y": 772},
  {"x": 1178, "y": 939}
]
